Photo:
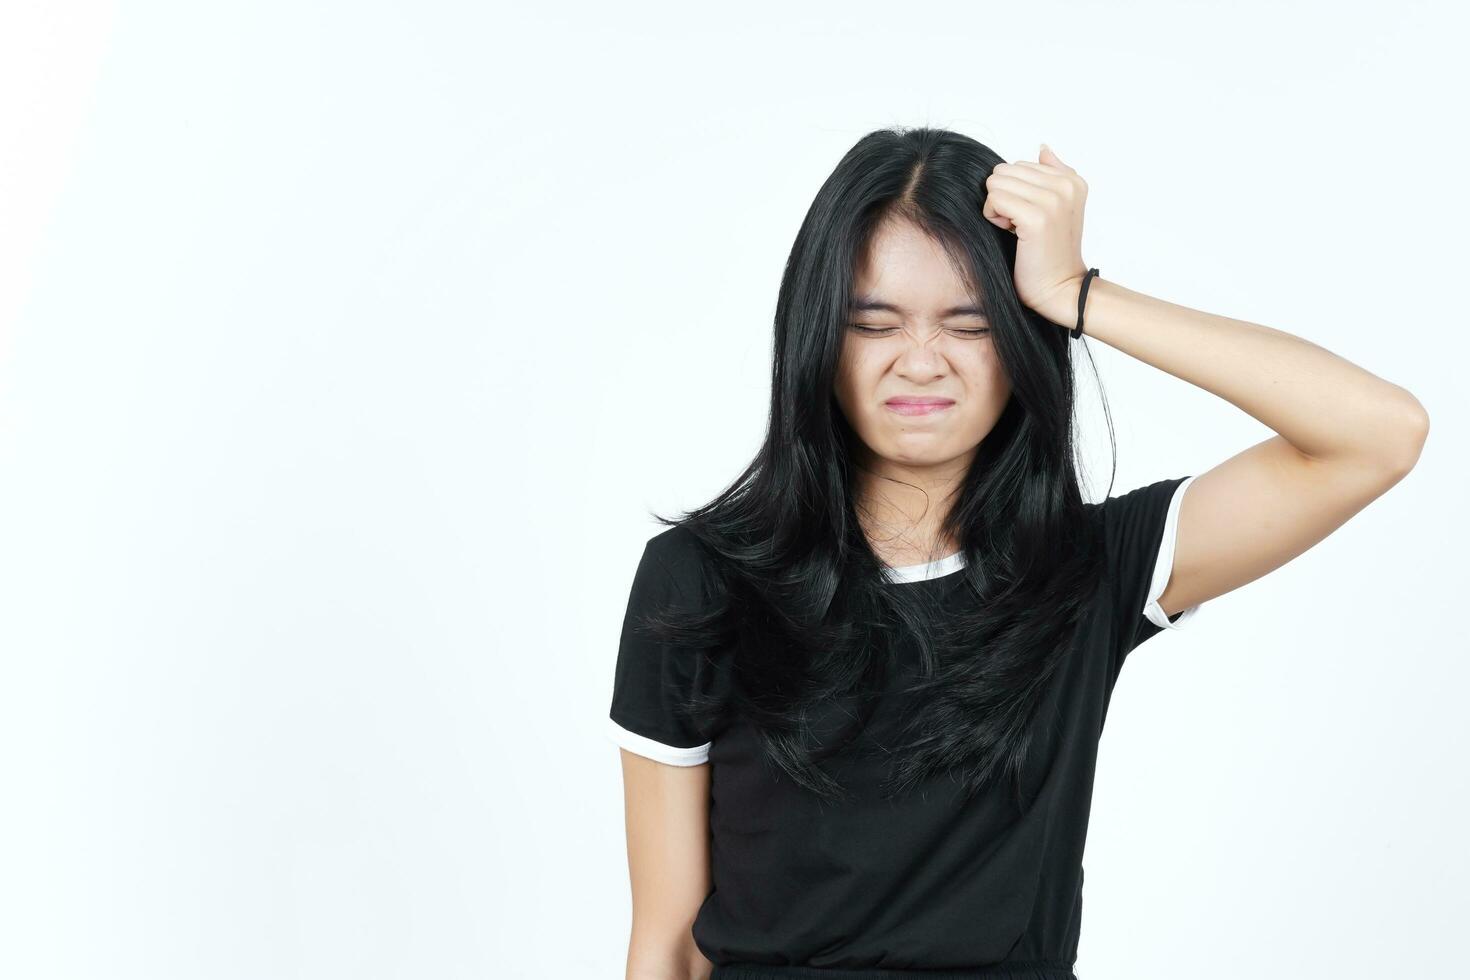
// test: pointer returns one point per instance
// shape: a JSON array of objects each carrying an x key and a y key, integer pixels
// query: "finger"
[
  {"x": 1036, "y": 192},
  {"x": 1003, "y": 223},
  {"x": 1020, "y": 212},
  {"x": 1056, "y": 161},
  {"x": 1039, "y": 174},
  {"x": 989, "y": 213},
  {"x": 1068, "y": 185}
]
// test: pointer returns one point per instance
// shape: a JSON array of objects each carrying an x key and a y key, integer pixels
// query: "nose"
[
  {"x": 919, "y": 336},
  {"x": 919, "y": 363}
]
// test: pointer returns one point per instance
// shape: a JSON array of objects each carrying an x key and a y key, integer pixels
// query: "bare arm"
[
  {"x": 1344, "y": 436},
  {"x": 666, "y": 810}
]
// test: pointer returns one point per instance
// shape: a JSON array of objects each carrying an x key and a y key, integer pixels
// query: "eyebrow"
[{"x": 878, "y": 306}]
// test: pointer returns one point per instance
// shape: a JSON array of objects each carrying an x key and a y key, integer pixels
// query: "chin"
[{"x": 917, "y": 455}]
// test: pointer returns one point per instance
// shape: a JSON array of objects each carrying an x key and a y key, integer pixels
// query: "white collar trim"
[{"x": 926, "y": 570}]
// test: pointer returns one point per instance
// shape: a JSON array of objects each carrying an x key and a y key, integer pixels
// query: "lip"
[{"x": 918, "y": 406}]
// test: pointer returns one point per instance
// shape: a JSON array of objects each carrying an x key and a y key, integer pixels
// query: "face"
[{"x": 918, "y": 378}]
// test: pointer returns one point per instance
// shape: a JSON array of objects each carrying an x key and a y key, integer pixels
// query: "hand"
[{"x": 1042, "y": 203}]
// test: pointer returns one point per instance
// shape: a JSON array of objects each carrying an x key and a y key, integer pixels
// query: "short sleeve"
[
  {"x": 1141, "y": 529},
  {"x": 652, "y": 678}
]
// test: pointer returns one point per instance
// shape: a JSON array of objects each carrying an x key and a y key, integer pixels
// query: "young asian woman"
[{"x": 858, "y": 694}]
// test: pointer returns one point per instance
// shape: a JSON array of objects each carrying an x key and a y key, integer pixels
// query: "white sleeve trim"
[
  {"x": 655, "y": 750},
  {"x": 1164, "y": 566}
]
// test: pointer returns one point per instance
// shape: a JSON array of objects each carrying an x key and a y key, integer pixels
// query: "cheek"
[
  {"x": 851, "y": 380},
  {"x": 988, "y": 391},
  {"x": 984, "y": 376}
]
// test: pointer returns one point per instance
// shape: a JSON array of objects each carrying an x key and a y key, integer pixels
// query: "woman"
[{"x": 859, "y": 694}]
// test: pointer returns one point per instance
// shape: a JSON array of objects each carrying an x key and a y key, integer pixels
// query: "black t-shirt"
[{"x": 920, "y": 882}]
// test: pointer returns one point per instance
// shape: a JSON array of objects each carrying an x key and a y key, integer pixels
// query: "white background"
[{"x": 344, "y": 348}]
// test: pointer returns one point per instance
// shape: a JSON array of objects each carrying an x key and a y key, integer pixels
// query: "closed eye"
[{"x": 868, "y": 331}]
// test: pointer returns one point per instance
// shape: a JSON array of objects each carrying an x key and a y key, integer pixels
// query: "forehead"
[{"x": 904, "y": 270}]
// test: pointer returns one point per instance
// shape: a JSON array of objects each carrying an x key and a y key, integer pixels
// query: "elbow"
[
  {"x": 1413, "y": 432},
  {"x": 681, "y": 961},
  {"x": 668, "y": 971}
]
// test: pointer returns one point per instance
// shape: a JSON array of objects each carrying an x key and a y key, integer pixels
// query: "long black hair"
[{"x": 802, "y": 615}]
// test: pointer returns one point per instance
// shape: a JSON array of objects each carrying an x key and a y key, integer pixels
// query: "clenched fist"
[{"x": 1042, "y": 203}]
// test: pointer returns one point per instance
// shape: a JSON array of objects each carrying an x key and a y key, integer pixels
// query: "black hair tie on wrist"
[{"x": 1082, "y": 301}]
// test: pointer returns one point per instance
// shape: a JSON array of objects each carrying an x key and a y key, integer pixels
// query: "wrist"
[
  {"x": 1061, "y": 306},
  {"x": 1062, "y": 310}
]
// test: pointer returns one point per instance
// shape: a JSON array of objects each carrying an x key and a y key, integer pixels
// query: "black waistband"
[{"x": 1018, "y": 970}]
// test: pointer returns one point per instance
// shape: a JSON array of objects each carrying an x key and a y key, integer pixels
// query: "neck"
[{"x": 902, "y": 508}]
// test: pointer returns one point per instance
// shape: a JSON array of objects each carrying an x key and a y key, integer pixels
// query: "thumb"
[{"x": 1051, "y": 159}]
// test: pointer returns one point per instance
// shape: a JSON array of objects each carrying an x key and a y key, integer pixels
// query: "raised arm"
[{"x": 1343, "y": 435}]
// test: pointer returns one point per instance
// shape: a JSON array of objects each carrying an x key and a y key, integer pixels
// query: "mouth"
[{"x": 918, "y": 406}]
